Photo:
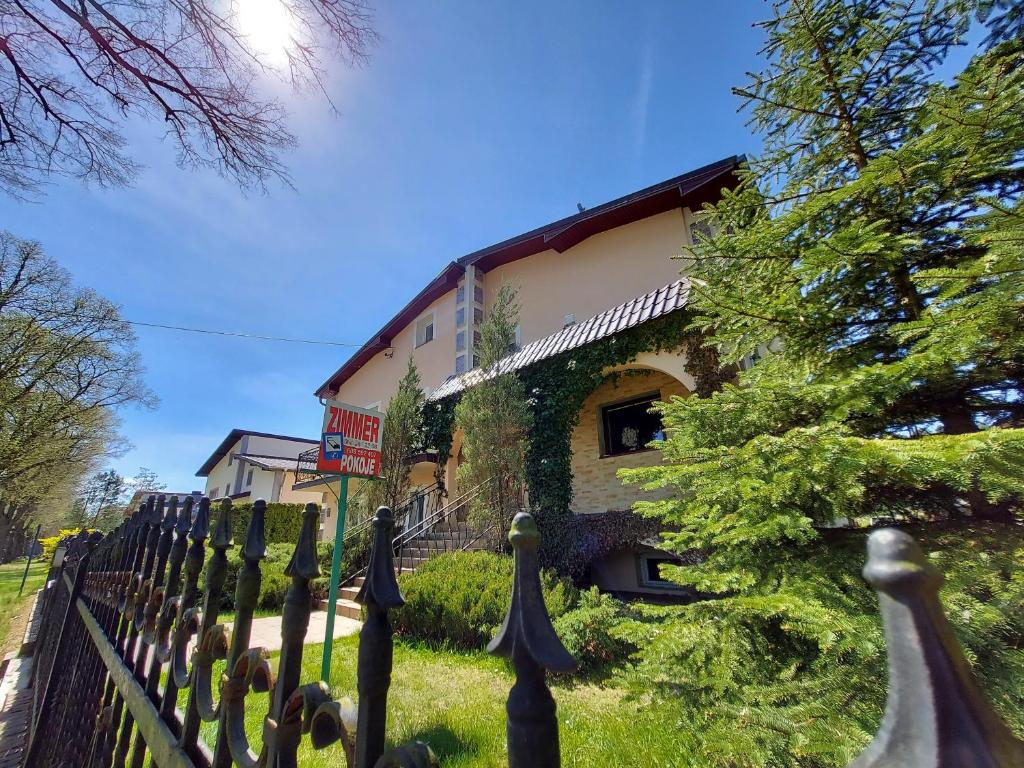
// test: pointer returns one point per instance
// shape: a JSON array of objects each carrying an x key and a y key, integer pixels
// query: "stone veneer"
[{"x": 595, "y": 485}]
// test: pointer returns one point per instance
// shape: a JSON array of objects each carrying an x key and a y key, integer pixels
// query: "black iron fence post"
[
  {"x": 529, "y": 640},
  {"x": 935, "y": 716},
  {"x": 379, "y": 594}
]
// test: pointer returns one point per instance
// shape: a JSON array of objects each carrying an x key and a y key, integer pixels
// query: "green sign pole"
[{"x": 332, "y": 597}]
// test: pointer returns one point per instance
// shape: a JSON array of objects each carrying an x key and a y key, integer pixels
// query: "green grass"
[
  {"x": 456, "y": 703},
  {"x": 10, "y": 603}
]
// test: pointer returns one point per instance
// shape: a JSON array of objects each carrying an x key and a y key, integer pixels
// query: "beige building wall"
[
  {"x": 376, "y": 382},
  {"x": 222, "y": 474},
  {"x": 601, "y": 272},
  {"x": 596, "y": 488}
]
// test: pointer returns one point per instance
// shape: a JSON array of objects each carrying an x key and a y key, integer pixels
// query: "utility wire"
[{"x": 241, "y": 335}]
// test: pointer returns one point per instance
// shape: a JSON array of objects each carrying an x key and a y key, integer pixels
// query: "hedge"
[
  {"x": 282, "y": 522},
  {"x": 460, "y": 599}
]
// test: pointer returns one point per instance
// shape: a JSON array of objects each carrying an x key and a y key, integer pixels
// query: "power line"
[{"x": 254, "y": 336}]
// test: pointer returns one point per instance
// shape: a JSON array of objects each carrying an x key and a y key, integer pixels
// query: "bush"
[
  {"x": 354, "y": 556},
  {"x": 460, "y": 599},
  {"x": 281, "y": 523},
  {"x": 273, "y": 580},
  {"x": 588, "y": 631},
  {"x": 794, "y": 672},
  {"x": 49, "y": 544}
]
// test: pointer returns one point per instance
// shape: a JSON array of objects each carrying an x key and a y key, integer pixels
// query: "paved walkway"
[{"x": 266, "y": 632}]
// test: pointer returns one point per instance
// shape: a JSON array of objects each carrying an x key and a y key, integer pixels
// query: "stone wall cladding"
[{"x": 595, "y": 485}]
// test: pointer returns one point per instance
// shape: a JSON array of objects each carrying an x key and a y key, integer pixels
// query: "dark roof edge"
[
  {"x": 382, "y": 339},
  {"x": 232, "y": 438}
]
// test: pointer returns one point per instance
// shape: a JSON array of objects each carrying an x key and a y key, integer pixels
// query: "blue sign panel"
[{"x": 333, "y": 447}]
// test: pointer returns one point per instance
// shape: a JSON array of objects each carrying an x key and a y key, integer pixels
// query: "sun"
[{"x": 268, "y": 25}]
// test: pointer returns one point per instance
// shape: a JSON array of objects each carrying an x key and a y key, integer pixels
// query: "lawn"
[
  {"x": 456, "y": 703},
  {"x": 11, "y": 605}
]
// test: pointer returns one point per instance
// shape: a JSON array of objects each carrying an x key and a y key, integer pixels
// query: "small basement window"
[
  {"x": 629, "y": 426},
  {"x": 651, "y": 574},
  {"x": 425, "y": 329}
]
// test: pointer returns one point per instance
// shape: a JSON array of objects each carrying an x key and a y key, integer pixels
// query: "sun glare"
[{"x": 268, "y": 25}]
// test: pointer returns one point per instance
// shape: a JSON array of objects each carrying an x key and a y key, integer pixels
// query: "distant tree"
[
  {"x": 67, "y": 361},
  {"x": 495, "y": 418},
  {"x": 100, "y": 501},
  {"x": 403, "y": 434},
  {"x": 71, "y": 72},
  {"x": 144, "y": 480}
]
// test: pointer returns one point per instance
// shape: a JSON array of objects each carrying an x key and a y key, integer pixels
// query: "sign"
[{"x": 350, "y": 442}]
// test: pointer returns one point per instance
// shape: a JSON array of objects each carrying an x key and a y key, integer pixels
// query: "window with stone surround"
[{"x": 628, "y": 426}]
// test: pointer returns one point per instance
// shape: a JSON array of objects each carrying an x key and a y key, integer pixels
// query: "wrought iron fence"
[{"x": 122, "y": 611}]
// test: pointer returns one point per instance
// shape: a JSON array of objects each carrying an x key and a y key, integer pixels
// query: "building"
[
  {"x": 257, "y": 465},
  {"x": 597, "y": 274}
]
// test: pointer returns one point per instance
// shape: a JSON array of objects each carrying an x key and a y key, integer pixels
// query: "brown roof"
[
  {"x": 615, "y": 320},
  {"x": 691, "y": 189}
]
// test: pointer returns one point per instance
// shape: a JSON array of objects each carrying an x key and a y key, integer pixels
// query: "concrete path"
[{"x": 266, "y": 632}]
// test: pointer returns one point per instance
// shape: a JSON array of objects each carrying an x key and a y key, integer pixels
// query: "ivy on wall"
[{"x": 557, "y": 388}]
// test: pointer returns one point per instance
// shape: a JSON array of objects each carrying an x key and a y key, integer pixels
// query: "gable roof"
[
  {"x": 655, "y": 304},
  {"x": 233, "y": 437},
  {"x": 691, "y": 189}
]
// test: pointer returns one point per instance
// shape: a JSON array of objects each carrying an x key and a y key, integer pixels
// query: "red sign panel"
[{"x": 361, "y": 431}]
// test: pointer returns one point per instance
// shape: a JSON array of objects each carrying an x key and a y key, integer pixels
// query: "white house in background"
[{"x": 257, "y": 465}]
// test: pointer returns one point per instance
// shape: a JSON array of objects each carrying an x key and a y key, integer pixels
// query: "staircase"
[{"x": 432, "y": 532}]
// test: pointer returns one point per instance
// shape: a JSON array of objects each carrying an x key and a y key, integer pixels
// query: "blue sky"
[{"x": 472, "y": 122}]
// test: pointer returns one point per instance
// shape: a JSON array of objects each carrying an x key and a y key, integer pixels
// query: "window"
[
  {"x": 425, "y": 330},
  {"x": 629, "y": 426},
  {"x": 460, "y": 294},
  {"x": 248, "y": 478},
  {"x": 650, "y": 571},
  {"x": 460, "y": 317},
  {"x": 227, "y": 489},
  {"x": 460, "y": 364},
  {"x": 214, "y": 492},
  {"x": 478, "y": 294},
  {"x": 476, "y": 361},
  {"x": 460, "y": 341},
  {"x": 478, "y": 316},
  {"x": 700, "y": 231}
]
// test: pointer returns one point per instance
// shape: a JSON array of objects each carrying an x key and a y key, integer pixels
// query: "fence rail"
[{"x": 116, "y": 685}]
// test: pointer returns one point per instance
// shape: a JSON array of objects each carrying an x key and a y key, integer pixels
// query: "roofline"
[
  {"x": 221, "y": 451},
  {"x": 558, "y": 235}
]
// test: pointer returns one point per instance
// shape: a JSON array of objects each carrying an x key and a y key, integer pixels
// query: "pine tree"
[
  {"x": 495, "y": 419},
  {"x": 872, "y": 257},
  {"x": 402, "y": 436}
]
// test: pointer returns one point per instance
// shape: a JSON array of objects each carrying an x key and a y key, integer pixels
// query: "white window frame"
[
  {"x": 424, "y": 321},
  {"x": 645, "y": 581}
]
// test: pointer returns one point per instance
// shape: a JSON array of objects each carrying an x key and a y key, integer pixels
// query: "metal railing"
[
  {"x": 444, "y": 530},
  {"x": 111, "y": 666}
]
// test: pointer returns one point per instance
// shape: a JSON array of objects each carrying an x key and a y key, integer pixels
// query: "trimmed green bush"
[
  {"x": 272, "y": 584},
  {"x": 355, "y": 555},
  {"x": 588, "y": 631},
  {"x": 281, "y": 524},
  {"x": 460, "y": 599}
]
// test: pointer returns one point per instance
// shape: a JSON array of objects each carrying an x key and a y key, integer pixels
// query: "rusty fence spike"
[
  {"x": 528, "y": 639},
  {"x": 936, "y": 715}
]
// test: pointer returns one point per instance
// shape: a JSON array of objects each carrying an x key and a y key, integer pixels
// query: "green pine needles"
[{"x": 875, "y": 248}]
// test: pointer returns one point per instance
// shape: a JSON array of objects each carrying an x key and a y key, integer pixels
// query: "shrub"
[
  {"x": 460, "y": 599},
  {"x": 281, "y": 524},
  {"x": 588, "y": 631},
  {"x": 354, "y": 556},
  {"x": 794, "y": 673},
  {"x": 49, "y": 544},
  {"x": 272, "y": 570}
]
